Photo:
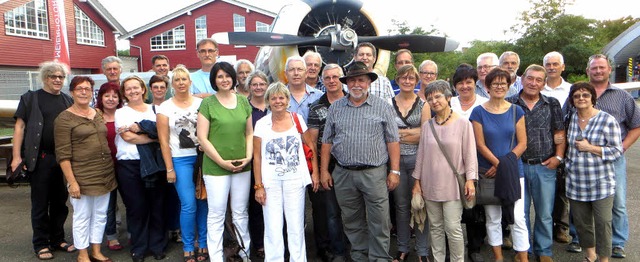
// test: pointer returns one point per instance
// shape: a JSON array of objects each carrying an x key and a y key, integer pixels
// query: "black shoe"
[
  {"x": 476, "y": 257},
  {"x": 159, "y": 256},
  {"x": 137, "y": 258}
]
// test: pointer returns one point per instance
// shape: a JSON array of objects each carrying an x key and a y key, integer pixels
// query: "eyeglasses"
[
  {"x": 408, "y": 78},
  {"x": 296, "y": 69},
  {"x": 207, "y": 51},
  {"x": 499, "y": 85},
  {"x": 428, "y": 73},
  {"x": 83, "y": 89},
  {"x": 486, "y": 67},
  {"x": 583, "y": 95},
  {"x": 433, "y": 98},
  {"x": 258, "y": 84},
  {"x": 54, "y": 77}
]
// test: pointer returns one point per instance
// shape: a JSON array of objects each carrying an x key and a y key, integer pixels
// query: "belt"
[
  {"x": 534, "y": 161},
  {"x": 356, "y": 168}
]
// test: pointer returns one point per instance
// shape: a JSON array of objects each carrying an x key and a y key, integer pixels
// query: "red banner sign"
[{"x": 59, "y": 29}]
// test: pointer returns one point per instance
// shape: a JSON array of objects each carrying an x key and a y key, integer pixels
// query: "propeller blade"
[
  {"x": 269, "y": 39},
  {"x": 415, "y": 43}
]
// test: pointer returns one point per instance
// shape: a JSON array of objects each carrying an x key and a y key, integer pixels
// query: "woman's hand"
[
  {"x": 74, "y": 190},
  {"x": 491, "y": 172},
  {"x": 416, "y": 189},
  {"x": 171, "y": 176},
  {"x": 583, "y": 145},
  {"x": 134, "y": 128},
  {"x": 238, "y": 164},
  {"x": 315, "y": 182},
  {"x": 261, "y": 196},
  {"x": 469, "y": 190}
]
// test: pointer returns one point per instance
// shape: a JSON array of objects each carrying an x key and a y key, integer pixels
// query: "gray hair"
[
  {"x": 494, "y": 58},
  {"x": 243, "y": 61},
  {"x": 275, "y": 89},
  {"x": 207, "y": 40},
  {"x": 553, "y": 54},
  {"x": 295, "y": 58},
  {"x": 312, "y": 53},
  {"x": 50, "y": 67},
  {"x": 438, "y": 86},
  {"x": 428, "y": 62},
  {"x": 111, "y": 59},
  {"x": 333, "y": 66},
  {"x": 254, "y": 74},
  {"x": 508, "y": 53}
]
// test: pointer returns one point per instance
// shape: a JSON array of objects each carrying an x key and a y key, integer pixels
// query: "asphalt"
[{"x": 15, "y": 227}]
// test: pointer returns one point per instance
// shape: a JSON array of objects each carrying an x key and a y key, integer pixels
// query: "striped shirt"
[
  {"x": 382, "y": 88},
  {"x": 359, "y": 134},
  {"x": 591, "y": 177}
]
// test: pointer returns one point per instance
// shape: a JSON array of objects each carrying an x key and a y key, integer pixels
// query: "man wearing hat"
[{"x": 361, "y": 134}]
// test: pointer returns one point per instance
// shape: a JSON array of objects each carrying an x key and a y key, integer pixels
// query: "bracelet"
[
  {"x": 170, "y": 170},
  {"x": 258, "y": 186}
]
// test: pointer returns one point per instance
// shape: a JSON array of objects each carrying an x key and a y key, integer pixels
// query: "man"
[
  {"x": 485, "y": 63},
  {"x": 403, "y": 57},
  {"x": 428, "y": 73},
  {"x": 327, "y": 225},
  {"x": 360, "y": 133},
  {"x": 556, "y": 87},
  {"x": 380, "y": 87},
  {"x": 207, "y": 50},
  {"x": 243, "y": 69},
  {"x": 621, "y": 105},
  {"x": 544, "y": 119},
  {"x": 510, "y": 61},
  {"x": 313, "y": 60},
  {"x": 302, "y": 95},
  {"x": 160, "y": 65},
  {"x": 112, "y": 69},
  {"x": 162, "y": 68}
]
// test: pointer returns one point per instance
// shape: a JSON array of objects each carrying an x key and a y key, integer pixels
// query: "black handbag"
[
  {"x": 232, "y": 243},
  {"x": 15, "y": 176}
]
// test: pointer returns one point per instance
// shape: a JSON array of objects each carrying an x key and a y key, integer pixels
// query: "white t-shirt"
[
  {"x": 457, "y": 107},
  {"x": 126, "y": 116},
  {"x": 561, "y": 92},
  {"x": 282, "y": 153},
  {"x": 182, "y": 126}
]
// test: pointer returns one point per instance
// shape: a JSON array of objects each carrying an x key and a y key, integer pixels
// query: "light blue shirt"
[
  {"x": 302, "y": 107},
  {"x": 200, "y": 83}
]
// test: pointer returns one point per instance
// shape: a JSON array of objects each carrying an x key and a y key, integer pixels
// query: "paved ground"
[{"x": 15, "y": 228}]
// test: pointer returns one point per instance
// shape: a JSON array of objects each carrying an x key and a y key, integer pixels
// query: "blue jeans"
[
  {"x": 540, "y": 186},
  {"x": 402, "y": 201},
  {"x": 193, "y": 212},
  {"x": 620, "y": 222}
]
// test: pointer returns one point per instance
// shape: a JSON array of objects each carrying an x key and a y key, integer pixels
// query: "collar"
[
  {"x": 542, "y": 98},
  {"x": 367, "y": 101}
]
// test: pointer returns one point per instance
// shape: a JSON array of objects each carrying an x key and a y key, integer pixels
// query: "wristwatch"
[
  {"x": 395, "y": 172},
  {"x": 560, "y": 158}
]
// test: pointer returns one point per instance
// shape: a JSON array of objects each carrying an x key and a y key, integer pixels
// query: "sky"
[{"x": 462, "y": 20}]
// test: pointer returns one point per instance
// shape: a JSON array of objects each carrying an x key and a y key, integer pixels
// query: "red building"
[
  {"x": 28, "y": 36},
  {"x": 175, "y": 35}
]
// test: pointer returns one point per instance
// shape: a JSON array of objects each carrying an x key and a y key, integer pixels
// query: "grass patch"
[{"x": 6, "y": 131}]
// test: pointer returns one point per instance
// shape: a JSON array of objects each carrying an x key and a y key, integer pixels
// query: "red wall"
[
  {"x": 219, "y": 19},
  {"x": 29, "y": 52}
]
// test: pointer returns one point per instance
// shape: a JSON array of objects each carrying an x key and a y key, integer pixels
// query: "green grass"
[{"x": 6, "y": 131}]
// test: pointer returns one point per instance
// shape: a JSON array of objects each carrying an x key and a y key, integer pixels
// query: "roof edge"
[
  {"x": 624, "y": 34},
  {"x": 96, "y": 5}
]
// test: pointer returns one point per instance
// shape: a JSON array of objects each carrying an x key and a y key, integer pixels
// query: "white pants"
[
  {"x": 89, "y": 219},
  {"x": 218, "y": 194},
  {"x": 519, "y": 232},
  {"x": 289, "y": 197}
]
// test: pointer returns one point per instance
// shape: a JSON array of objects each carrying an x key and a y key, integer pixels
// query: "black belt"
[
  {"x": 534, "y": 161},
  {"x": 356, "y": 168}
]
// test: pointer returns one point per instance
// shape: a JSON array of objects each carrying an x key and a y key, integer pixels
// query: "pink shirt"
[{"x": 436, "y": 177}]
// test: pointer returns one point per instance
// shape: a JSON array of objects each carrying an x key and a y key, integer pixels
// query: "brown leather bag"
[{"x": 201, "y": 190}]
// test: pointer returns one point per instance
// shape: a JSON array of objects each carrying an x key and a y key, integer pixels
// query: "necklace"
[
  {"x": 78, "y": 112},
  {"x": 447, "y": 119},
  {"x": 470, "y": 102}
]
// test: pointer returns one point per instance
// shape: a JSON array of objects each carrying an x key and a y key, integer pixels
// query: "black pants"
[
  {"x": 145, "y": 208},
  {"x": 48, "y": 202},
  {"x": 256, "y": 220}
]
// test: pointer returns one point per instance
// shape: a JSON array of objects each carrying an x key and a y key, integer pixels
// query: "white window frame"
[
  {"x": 29, "y": 20},
  {"x": 87, "y": 31},
  {"x": 201, "y": 28},
  {"x": 262, "y": 27},
  {"x": 239, "y": 25},
  {"x": 172, "y": 39}
]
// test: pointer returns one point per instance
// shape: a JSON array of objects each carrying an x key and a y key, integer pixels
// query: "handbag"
[
  {"x": 201, "y": 190},
  {"x": 485, "y": 192},
  {"x": 19, "y": 175},
  {"x": 461, "y": 178},
  {"x": 232, "y": 243},
  {"x": 308, "y": 153}
]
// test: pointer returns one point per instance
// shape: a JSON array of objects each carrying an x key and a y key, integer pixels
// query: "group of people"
[{"x": 186, "y": 149}]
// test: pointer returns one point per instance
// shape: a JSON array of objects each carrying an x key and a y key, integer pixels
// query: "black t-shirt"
[{"x": 50, "y": 106}]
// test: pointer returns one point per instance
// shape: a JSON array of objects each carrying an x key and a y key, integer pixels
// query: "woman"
[
  {"x": 280, "y": 185},
  {"x": 225, "y": 134},
  {"x": 159, "y": 86},
  {"x": 84, "y": 156},
  {"x": 107, "y": 102},
  {"x": 410, "y": 113},
  {"x": 595, "y": 143},
  {"x": 176, "y": 121},
  {"x": 257, "y": 83},
  {"x": 435, "y": 180},
  {"x": 495, "y": 132},
  {"x": 143, "y": 198},
  {"x": 34, "y": 151},
  {"x": 464, "y": 81}
]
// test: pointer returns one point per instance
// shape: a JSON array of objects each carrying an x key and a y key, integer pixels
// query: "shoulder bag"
[
  {"x": 461, "y": 178},
  {"x": 308, "y": 153}
]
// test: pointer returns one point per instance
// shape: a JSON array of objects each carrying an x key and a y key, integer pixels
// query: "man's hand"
[
  {"x": 392, "y": 181},
  {"x": 326, "y": 180}
]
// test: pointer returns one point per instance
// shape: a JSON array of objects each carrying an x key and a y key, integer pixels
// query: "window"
[
  {"x": 28, "y": 20},
  {"x": 169, "y": 40},
  {"x": 87, "y": 32},
  {"x": 201, "y": 28},
  {"x": 262, "y": 27},
  {"x": 238, "y": 23}
]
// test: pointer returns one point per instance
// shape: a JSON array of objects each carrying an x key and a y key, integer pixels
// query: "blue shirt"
[
  {"x": 302, "y": 107},
  {"x": 200, "y": 83}
]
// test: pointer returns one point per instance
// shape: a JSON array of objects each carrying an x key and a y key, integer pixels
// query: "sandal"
[
  {"x": 587, "y": 259},
  {"x": 400, "y": 258},
  {"x": 203, "y": 254},
  {"x": 66, "y": 247},
  {"x": 45, "y": 251},
  {"x": 114, "y": 247},
  {"x": 190, "y": 258}
]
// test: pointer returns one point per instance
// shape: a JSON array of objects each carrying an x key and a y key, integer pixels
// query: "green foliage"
[{"x": 124, "y": 52}]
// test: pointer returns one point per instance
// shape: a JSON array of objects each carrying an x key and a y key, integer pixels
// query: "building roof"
[
  {"x": 190, "y": 8},
  {"x": 624, "y": 46},
  {"x": 97, "y": 6}
]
